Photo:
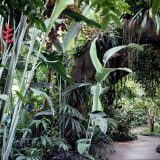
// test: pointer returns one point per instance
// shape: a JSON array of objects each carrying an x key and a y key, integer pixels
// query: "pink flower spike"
[
  {"x": 8, "y": 31},
  {"x": 9, "y": 41},
  {"x": 8, "y": 36}
]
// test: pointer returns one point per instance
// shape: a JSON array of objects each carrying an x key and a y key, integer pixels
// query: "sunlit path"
[{"x": 141, "y": 149}]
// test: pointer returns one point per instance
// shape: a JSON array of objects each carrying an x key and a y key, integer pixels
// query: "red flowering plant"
[{"x": 8, "y": 33}]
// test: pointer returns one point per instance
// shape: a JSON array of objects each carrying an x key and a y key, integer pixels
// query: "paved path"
[{"x": 141, "y": 149}]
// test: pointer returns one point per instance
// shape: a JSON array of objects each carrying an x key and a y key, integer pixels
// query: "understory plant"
[{"x": 12, "y": 104}]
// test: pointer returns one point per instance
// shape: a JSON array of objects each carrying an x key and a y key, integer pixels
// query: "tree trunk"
[{"x": 151, "y": 123}]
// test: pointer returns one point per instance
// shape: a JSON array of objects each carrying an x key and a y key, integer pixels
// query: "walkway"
[{"x": 142, "y": 149}]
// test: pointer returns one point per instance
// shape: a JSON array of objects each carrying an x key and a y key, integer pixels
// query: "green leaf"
[
  {"x": 108, "y": 54},
  {"x": 40, "y": 24},
  {"x": 43, "y": 140},
  {"x": 60, "y": 5},
  {"x": 73, "y": 32},
  {"x": 105, "y": 22},
  {"x": 48, "y": 139},
  {"x": 155, "y": 6},
  {"x": 125, "y": 69},
  {"x": 94, "y": 3},
  {"x": 59, "y": 68},
  {"x": 36, "y": 123},
  {"x": 21, "y": 97},
  {"x": 113, "y": 122},
  {"x": 44, "y": 123},
  {"x": 21, "y": 158},
  {"x": 3, "y": 97},
  {"x": 96, "y": 92},
  {"x": 116, "y": 20},
  {"x": 83, "y": 146},
  {"x": 111, "y": 52},
  {"x": 136, "y": 46},
  {"x": 39, "y": 93},
  {"x": 93, "y": 55},
  {"x": 103, "y": 74},
  {"x": 76, "y": 85},
  {"x": 38, "y": 3},
  {"x": 99, "y": 119},
  {"x": 157, "y": 24},
  {"x": 78, "y": 18}
]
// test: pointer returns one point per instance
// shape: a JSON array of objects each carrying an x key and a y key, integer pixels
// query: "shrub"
[{"x": 122, "y": 132}]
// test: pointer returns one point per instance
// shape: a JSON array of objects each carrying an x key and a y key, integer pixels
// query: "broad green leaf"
[
  {"x": 155, "y": 6},
  {"x": 94, "y": 3},
  {"x": 111, "y": 52},
  {"x": 113, "y": 122},
  {"x": 3, "y": 97},
  {"x": 116, "y": 20},
  {"x": 103, "y": 74},
  {"x": 136, "y": 46},
  {"x": 48, "y": 139},
  {"x": 108, "y": 54},
  {"x": 76, "y": 85},
  {"x": 105, "y": 22},
  {"x": 96, "y": 104},
  {"x": 43, "y": 140},
  {"x": 73, "y": 32},
  {"x": 21, "y": 158},
  {"x": 78, "y": 18},
  {"x": 21, "y": 97},
  {"x": 36, "y": 123},
  {"x": 83, "y": 146},
  {"x": 60, "y": 5},
  {"x": 99, "y": 119},
  {"x": 41, "y": 93},
  {"x": 59, "y": 68},
  {"x": 40, "y": 24},
  {"x": 44, "y": 123},
  {"x": 93, "y": 55}
]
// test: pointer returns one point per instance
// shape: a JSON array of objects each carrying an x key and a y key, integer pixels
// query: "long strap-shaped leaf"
[
  {"x": 114, "y": 50},
  {"x": 13, "y": 61},
  {"x": 93, "y": 55}
]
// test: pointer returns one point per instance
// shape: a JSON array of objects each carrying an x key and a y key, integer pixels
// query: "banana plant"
[{"x": 97, "y": 116}]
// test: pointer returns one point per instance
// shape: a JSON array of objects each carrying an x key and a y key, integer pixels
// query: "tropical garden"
[{"x": 77, "y": 76}]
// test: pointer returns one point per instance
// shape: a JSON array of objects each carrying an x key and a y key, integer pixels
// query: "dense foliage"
[{"x": 46, "y": 112}]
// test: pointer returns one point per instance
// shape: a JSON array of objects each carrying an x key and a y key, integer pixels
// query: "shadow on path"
[{"x": 142, "y": 149}]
